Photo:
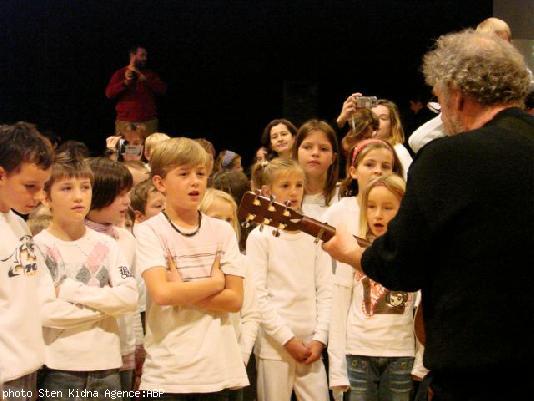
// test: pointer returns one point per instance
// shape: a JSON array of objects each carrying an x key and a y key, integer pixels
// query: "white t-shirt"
[
  {"x": 24, "y": 287},
  {"x": 94, "y": 277},
  {"x": 189, "y": 350},
  {"x": 294, "y": 285},
  {"x": 315, "y": 205}
]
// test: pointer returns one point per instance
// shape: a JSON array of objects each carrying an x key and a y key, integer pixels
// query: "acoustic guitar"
[{"x": 263, "y": 210}]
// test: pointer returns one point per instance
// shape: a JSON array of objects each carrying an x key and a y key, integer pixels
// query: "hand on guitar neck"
[{"x": 255, "y": 208}]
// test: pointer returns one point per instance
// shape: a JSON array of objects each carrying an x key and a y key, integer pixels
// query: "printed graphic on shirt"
[
  {"x": 378, "y": 300},
  {"x": 23, "y": 260},
  {"x": 125, "y": 272},
  {"x": 93, "y": 271}
]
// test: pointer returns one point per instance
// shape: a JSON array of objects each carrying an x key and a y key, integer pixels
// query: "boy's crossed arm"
[
  {"x": 228, "y": 299},
  {"x": 166, "y": 287}
]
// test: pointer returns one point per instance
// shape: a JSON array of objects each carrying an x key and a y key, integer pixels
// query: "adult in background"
[
  {"x": 134, "y": 88},
  {"x": 464, "y": 233}
]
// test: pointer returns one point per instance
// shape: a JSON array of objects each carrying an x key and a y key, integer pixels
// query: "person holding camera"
[{"x": 135, "y": 88}]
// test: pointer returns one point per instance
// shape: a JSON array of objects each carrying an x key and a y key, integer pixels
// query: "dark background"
[{"x": 231, "y": 66}]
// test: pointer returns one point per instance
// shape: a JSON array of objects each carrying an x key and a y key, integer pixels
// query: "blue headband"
[{"x": 228, "y": 157}]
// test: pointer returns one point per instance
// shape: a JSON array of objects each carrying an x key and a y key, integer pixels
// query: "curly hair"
[{"x": 482, "y": 66}]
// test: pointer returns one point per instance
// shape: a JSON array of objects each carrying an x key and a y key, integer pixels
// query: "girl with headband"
[{"x": 228, "y": 161}]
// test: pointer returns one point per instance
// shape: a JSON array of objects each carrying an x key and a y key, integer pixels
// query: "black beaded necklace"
[{"x": 181, "y": 233}]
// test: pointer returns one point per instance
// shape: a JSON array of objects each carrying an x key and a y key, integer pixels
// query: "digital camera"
[{"x": 367, "y": 102}]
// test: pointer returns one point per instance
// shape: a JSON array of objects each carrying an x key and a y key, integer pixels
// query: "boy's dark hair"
[
  {"x": 22, "y": 143},
  {"x": 68, "y": 165},
  {"x": 235, "y": 183},
  {"x": 110, "y": 179},
  {"x": 75, "y": 149},
  {"x": 139, "y": 195}
]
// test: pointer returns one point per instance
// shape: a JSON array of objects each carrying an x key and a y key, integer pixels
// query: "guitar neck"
[
  {"x": 323, "y": 231},
  {"x": 255, "y": 208}
]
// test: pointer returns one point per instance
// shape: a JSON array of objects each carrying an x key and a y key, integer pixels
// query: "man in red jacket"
[{"x": 134, "y": 88}]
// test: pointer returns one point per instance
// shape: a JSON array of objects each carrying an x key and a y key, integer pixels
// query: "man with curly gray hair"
[
  {"x": 475, "y": 76},
  {"x": 466, "y": 225}
]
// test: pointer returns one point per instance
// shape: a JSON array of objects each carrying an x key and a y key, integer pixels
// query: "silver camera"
[{"x": 367, "y": 102}]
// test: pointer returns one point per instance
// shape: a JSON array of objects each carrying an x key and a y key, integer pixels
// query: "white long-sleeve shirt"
[
  {"x": 404, "y": 157},
  {"x": 426, "y": 133},
  {"x": 25, "y": 287},
  {"x": 247, "y": 320},
  {"x": 293, "y": 281},
  {"x": 93, "y": 273}
]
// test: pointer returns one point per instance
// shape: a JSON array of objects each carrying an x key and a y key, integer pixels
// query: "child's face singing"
[
  {"x": 184, "y": 186},
  {"x": 382, "y": 206},
  {"x": 287, "y": 186},
  {"x": 375, "y": 163},
  {"x": 23, "y": 189},
  {"x": 70, "y": 199},
  {"x": 315, "y": 154}
]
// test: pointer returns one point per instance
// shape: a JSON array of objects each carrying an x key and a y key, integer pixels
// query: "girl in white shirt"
[
  {"x": 111, "y": 200},
  {"x": 316, "y": 150},
  {"x": 293, "y": 283},
  {"x": 372, "y": 344}
]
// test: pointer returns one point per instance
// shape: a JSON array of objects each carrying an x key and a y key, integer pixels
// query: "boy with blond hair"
[
  {"x": 151, "y": 141},
  {"x": 193, "y": 272}
]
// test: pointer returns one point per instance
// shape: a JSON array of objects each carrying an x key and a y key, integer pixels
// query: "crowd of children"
[{"x": 129, "y": 276}]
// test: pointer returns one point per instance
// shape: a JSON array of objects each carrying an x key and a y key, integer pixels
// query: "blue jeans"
[
  {"x": 67, "y": 385},
  {"x": 379, "y": 378}
]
